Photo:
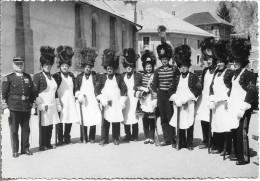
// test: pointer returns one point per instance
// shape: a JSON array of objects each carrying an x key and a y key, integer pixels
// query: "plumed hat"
[
  {"x": 88, "y": 56},
  {"x": 162, "y": 32},
  {"x": 148, "y": 57},
  {"x": 220, "y": 51},
  {"x": 47, "y": 55},
  {"x": 206, "y": 47},
  {"x": 110, "y": 58},
  {"x": 164, "y": 50},
  {"x": 239, "y": 50},
  {"x": 64, "y": 55},
  {"x": 130, "y": 57},
  {"x": 182, "y": 55}
]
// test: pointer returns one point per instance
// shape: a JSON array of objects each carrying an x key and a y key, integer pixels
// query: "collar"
[
  {"x": 110, "y": 77},
  {"x": 237, "y": 71},
  {"x": 18, "y": 73},
  {"x": 184, "y": 74}
]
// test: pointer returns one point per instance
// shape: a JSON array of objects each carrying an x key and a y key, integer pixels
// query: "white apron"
[
  {"x": 220, "y": 121},
  {"x": 111, "y": 91},
  {"x": 50, "y": 116},
  {"x": 236, "y": 99},
  {"x": 147, "y": 103},
  {"x": 131, "y": 102},
  {"x": 68, "y": 112},
  {"x": 186, "y": 115},
  {"x": 90, "y": 108},
  {"x": 202, "y": 109}
]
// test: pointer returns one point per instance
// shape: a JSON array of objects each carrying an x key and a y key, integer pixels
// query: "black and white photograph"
[{"x": 129, "y": 89}]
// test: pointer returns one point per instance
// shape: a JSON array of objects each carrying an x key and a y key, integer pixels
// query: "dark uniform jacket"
[
  {"x": 78, "y": 80},
  {"x": 137, "y": 79},
  {"x": 40, "y": 84},
  {"x": 193, "y": 83},
  {"x": 120, "y": 82},
  {"x": 17, "y": 92},
  {"x": 227, "y": 79},
  {"x": 58, "y": 79}
]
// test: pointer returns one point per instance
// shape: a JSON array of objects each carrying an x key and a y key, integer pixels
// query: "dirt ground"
[{"x": 128, "y": 160}]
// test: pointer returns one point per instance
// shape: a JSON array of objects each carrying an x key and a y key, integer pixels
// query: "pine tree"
[{"x": 223, "y": 11}]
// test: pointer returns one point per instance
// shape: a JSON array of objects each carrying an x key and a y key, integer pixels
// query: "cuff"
[
  {"x": 245, "y": 106},
  {"x": 77, "y": 93},
  {"x": 173, "y": 98}
]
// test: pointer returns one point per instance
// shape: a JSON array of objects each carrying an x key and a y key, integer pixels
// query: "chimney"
[{"x": 131, "y": 5}]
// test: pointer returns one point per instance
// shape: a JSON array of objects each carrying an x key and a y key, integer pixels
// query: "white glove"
[
  {"x": 32, "y": 111},
  {"x": 38, "y": 101},
  {"x": 240, "y": 113},
  {"x": 80, "y": 98},
  {"x": 41, "y": 107},
  {"x": 103, "y": 100},
  {"x": 245, "y": 106},
  {"x": 122, "y": 101},
  {"x": 144, "y": 89},
  {"x": 59, "y": 107},
  {"x": 77, "y": 94},
  {"x": 211, "y": 105},
  {"x": 211, "y": 98},
  {"x": 7, "y": 112},
  {"x": 178, "y": 103},
  {"x": 173, "y": 98}
]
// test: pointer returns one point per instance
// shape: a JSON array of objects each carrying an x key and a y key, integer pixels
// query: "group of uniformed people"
[{"x": 222, "y": 99}]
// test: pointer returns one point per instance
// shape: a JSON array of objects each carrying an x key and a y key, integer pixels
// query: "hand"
[
  {"x": 80, "y": 98},
  {"x": 38, "y": 101},
  {"x": 32, "y": 111},
  {"x": 178, "y": 102},
  {"x": 7, "y": 112},
  {"x": 211, "y": 105},
  {"x": 144, "y": 89},
  {"x": 59, "y": 107},
  {"x": 185, "y": 106},
  {"x": 240, "y": 114},
  {"x": 41, "y": 107},
  {"x": 122, "y": 101}
]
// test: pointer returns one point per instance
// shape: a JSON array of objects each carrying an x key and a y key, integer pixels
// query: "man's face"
[
  {"x": 110, "y": 70},
  {"x": 209, "y": 59},
  {"x": 148, "y": 68},
  {"x": 165, "y": 61},
  {"x": 87, "y": 69},
  {"x": 47, "y": 67},
  {"x": 237, "y": 65},
  {"x": 18, "y": 66},
  {"x": 64, "y": 68},
  {"x": 221, "y": 65},
  {"x": 184, "y": 68}
]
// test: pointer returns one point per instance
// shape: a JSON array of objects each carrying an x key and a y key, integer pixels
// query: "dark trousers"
[
  {"x": 66, "y": 135},
  {"x": 19, "y": 118},
  {"x": 205, "y": 131},
  {"x": 134, "y": 134},
  {"x": 186, "y": 140},
  {"x": 92, "y": 133},
  {"x": 240, "y": 138},
  {"x": 218, "y": 141},
  {"x": 149, "y": 128},
  {"x": 166, "y": 112},
  {"x": 115, "y": 130},
  {"x": 45, "y": 136}
]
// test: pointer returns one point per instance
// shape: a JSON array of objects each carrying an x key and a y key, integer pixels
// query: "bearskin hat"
[
  {"x": 47, "y": 55},
  {"x": 162, "y": 33},
  {"x": 182, "y": 55},
  {"x": 239, "y": 50},
  {"x": 110, "y": 58},
  {"x": 148, "y": 57},
  {"x": 64, "y": 55},
  {"x": 206, "y": 46},
  {"x": 88, "y": 56},
  {"x": 164, "y": 50},
  {"x": 130, "y": 57},
  {"x": 220, "y": 51}
]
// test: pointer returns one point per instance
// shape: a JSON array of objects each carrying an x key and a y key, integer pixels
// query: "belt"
[{"x": 22, "y": 97}]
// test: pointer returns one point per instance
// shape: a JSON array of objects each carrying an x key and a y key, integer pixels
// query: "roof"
[
  {"x": 151, "y": 20},
  {"x": 104, "y": 6},
  {"x": 204, "y": 18}
]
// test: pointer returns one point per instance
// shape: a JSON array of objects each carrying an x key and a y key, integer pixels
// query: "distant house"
[
  {"x": 178, "y": 32},
  {"x": 211, "y": 23},
  {"x": 26, "y": 26}
]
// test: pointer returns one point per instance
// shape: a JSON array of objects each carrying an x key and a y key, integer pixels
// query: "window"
[
  {"x": 198, "y": 59},
  {"x": 146, "y": 40},
  {"x": 113, "y": 33},
  {"x": 94, "y": 34},
  {"x": 185, "y": 41},
  {"x": 198, "y": 42},
  {"x": 123, "y": 36}
]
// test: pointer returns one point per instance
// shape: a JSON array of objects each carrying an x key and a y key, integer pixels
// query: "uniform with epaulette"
[
  {"x": 111, "y": 91},
  {"x": 85, "y": 93},
  {"x": 45, "y": 90},
  {"x": 132, "y": 80},
  {"x": 242, "y": 96},
  {"x": 185, "y": 87},
  {"x": 66, "y": 90},
  {"x": 17, "y": 93}
]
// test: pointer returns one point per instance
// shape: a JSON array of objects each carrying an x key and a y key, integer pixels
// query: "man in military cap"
[{"x": 17, "y": 93}]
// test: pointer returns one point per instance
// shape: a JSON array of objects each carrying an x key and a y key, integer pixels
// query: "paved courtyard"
[{"x": 128, "y": 160}]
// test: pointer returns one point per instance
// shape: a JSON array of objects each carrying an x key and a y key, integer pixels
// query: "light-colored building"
[
  {"x": 212, "y": 23},
  {"x": 178, "y": 32},
  {"x": 26, "y": 26}
]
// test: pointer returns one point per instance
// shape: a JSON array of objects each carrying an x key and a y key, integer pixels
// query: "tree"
[{"x": 224, "y": 11}]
